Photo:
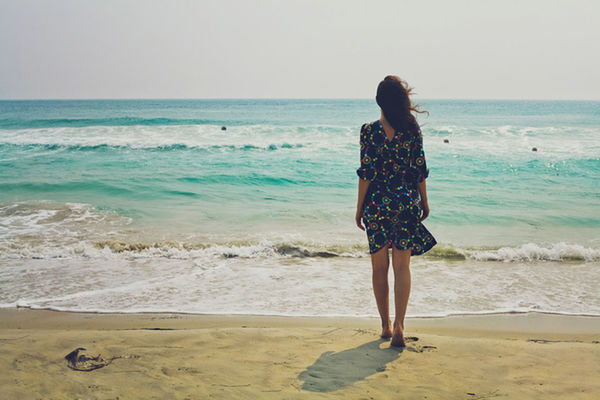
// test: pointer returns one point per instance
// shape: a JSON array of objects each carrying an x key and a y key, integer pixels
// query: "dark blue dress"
[{"x": 391, "y": 207}]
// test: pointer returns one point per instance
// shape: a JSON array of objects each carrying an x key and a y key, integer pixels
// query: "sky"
[{"x": 483, "y": 49}]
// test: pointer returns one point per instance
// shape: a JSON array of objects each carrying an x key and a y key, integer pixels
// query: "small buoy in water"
[
  {"x": 223, "y": 128},
  {"x": 534, "y": 149},
  {"x": 446, "y": 141}
]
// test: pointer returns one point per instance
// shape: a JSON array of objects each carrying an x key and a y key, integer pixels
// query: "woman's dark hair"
[{"x": 393, "y": 96}]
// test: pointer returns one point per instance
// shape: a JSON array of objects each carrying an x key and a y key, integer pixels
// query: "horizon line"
[{"x": 286, "y": 98}]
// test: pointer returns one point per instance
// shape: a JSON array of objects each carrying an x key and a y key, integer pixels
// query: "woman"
[{"x": 392, "y": 198}]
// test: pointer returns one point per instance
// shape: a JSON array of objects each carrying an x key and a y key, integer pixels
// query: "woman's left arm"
[{"x": 419, "y": 165}]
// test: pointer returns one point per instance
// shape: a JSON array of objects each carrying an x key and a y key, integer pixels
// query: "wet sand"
[{"x": 179, "y": 356}]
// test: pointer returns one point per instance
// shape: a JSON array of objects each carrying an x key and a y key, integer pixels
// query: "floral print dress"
[{"x": 391, "y": 205}]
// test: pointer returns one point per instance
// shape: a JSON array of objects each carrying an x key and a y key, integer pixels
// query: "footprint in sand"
[{"x": 417, "y": 348}]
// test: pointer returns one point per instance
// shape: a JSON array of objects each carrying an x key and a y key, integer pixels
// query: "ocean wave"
[
  {"x": 262, "y": 249},
  {"x": 176, "y": 250},
  {"x": 506, "y": 143},
  {"x": 176, "y": 138},
  {"x": 153, "y": 147},
  {"x": 529, "y": 252},
  {"x": 526, "y": 253},
  {"x": 85, "y": 122},
  {"x": 47, "y": 229}
]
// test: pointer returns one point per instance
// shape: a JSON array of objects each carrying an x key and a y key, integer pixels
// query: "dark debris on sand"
[{"x": 81, "y": 362}]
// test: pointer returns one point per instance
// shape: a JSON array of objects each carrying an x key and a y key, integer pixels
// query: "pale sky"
[{"x": 485, "y": 49}]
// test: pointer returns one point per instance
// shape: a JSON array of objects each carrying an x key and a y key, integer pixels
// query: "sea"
[{"x": 246, "y": 206}]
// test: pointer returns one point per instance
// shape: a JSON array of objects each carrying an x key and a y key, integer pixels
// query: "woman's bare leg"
[
  {"x": 401, "y": 265},
  {"x": 381, "y": 264}
]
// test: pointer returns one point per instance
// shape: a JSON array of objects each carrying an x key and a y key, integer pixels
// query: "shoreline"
[
  {"x": 192, "y": 356},
  {"x": 514, "y": 322},
  {"x": 432, "y": 316}
]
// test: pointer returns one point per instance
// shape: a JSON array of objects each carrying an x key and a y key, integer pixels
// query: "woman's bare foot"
[
  {"x": 398, "y": 336},
  {"x": 386, "y": 331}
]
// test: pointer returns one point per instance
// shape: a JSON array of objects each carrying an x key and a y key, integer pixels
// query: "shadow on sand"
[{"x": 333, "y": 371}]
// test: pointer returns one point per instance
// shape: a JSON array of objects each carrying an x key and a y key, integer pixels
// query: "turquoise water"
[{"x": 160, "y": 179}]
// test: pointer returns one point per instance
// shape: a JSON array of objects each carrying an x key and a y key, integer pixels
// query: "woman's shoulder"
[
  {"x": 366, "y": 129},
  {"x": 368, "y": 125}
]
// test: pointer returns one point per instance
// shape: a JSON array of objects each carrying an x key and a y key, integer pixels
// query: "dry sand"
[{"x": 174, "y": 356}]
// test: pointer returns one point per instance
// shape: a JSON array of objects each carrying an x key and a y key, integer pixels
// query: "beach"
[
  {"x": 182, "y": 356},
  {"x": 193, "y": 196}
]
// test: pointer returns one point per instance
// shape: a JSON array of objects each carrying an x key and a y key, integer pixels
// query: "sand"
[{"x": 174, "y": 356}]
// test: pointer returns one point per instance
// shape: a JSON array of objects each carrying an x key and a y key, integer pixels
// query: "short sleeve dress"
[{"x": 391, "y": 205}]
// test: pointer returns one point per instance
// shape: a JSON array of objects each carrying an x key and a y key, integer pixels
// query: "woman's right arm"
[
  {"x": 363, "y": 185},
  {"x": 367, "y": 170}
]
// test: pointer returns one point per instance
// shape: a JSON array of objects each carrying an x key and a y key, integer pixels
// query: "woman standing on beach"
[{"x": 392, "y": 198}]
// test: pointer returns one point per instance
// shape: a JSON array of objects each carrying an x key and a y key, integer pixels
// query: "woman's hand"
[
  {"x": 359, "y": 219},
  {"x": 424, "y": 210}
]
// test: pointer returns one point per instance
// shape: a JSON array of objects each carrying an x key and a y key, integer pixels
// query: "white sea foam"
[
  {"x": 260, "y": 137},
  {"x": 46, "y": 218},
  {"x": 335, "y": 286},
  {"x": 534, "y": 252},
  {"x": 556, "y": 143},
  {"x": 264, "y": 248}
]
